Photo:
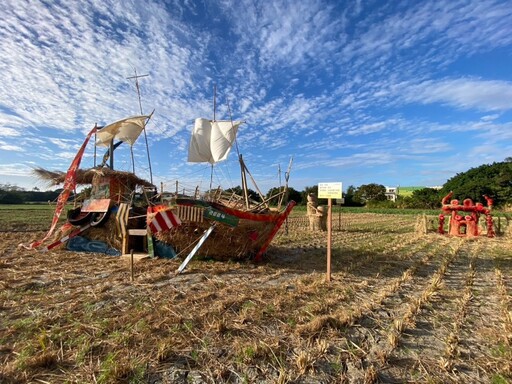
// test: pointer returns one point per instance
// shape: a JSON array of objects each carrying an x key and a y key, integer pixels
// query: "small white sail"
[
  {"x": 211, "y": 141},
  {"x": 127, "y": 130}
]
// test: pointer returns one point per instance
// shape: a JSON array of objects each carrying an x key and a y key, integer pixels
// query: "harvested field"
[{"x": 401, "y": 307}]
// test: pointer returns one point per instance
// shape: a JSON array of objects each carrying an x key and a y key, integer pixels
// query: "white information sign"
[{"x": 329, "y": 190}]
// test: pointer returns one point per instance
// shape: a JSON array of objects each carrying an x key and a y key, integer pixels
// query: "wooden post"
[
  {"x": 339, "y": 219},
  {"x": 329, "y": 191},
  {"x": 111, "y": 150},
  {"x": 131, "y": 265},
  {"x": 329, "y": 238},
  {"x": 95, "y": 140}
]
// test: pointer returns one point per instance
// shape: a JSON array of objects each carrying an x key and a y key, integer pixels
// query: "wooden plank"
[
  {"x": 136, "y": 256},
  {"x": 96, "y": 205},
  {"x": 151, "y": 248},
  {"x": 137, "y": 232},
  {"x": 122, "y": 219},
  {"x": 190, "y": 213}
]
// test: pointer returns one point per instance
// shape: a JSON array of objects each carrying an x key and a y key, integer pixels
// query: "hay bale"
[
  {"x": 107, "y": 233},
  {"x": 421, "y": 226}
]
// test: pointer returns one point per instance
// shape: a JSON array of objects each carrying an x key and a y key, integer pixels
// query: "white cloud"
[
  {"x": 9, "y": 132},
  {"x": 486, "y": 95},
  {"x": 64, "y": 143},
  {"x": 347, "y": 80},
  {"x": 9, "y": 147},
  {"x": 15, "y": 169},
  {"x": 490, "y": 117},
  {"x": 367, "y": 128},
  {"x": 287, "y": 33}
]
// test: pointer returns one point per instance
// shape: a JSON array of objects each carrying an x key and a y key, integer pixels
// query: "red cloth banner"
[{"x": 69, "y": 186}]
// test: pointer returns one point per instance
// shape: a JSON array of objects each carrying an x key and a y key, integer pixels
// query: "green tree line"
[
  {"x": 493, "y": 180},
  {"x": 12, "y": 194}
]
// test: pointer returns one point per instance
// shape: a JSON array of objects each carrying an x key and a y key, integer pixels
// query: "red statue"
[{"x": 465, "y": 225}]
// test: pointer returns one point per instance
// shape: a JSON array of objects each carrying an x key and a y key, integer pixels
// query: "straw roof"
[{"x": 85, "y": 176}]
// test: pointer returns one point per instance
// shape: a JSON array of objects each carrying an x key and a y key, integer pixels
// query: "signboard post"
[
  {"x": 340, "y": 202},
  {"x": 329, "y": 191}
]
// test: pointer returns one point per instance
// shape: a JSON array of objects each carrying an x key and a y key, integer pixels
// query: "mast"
[
  {"x": 214, "y": 117},
  {"x": 95, "y": 138},
  {"x": 244, "y": 181},
  {"x": 243, "y": 168},
  {"x": 214, "y": 100},
  {"x": 136, "y": 77},
  {"x": 284, "y": 196},
  {"x": 111, "y": 149}
]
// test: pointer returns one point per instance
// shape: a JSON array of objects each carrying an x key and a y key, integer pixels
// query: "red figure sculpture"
[{"x": 465, "y": 225}]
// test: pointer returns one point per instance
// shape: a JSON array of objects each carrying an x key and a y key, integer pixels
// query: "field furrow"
[{"x": 400, "y": 307}]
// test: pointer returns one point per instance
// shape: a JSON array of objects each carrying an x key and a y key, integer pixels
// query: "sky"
[{"x": 398, "y": 93}]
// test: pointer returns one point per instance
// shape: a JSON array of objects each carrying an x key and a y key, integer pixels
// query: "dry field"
[{"x": 401, "y": 307}]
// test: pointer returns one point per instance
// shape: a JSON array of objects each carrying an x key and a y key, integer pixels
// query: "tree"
[
  {"x": 350, "y": 197},
  {"x": 494, "y": 180},
  {"x": 10, "y": 197},
  {"x": 253, "y": 195},
  {"x": 292, "y": 194},
  {"x": 370, "y": 192},
  {"x": 276, "y": 192},
  {"x": 426, "y": 198}
]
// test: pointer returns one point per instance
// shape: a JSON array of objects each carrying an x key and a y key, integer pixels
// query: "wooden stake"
[
  {"x": 131, "y": 265},
  {"x": 339, "y": 219},
  {"x": 329, "y": 238}
]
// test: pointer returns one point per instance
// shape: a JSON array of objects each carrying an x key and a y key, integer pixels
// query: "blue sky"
[{"x": 389, "y": 92}]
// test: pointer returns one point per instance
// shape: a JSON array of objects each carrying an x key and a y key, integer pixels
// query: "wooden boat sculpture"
[{"x": 237, "y": 226}]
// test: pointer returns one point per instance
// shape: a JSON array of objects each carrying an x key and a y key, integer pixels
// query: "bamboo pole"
[
  {"x": 254, "y": 182},
  {"x": 244, "y": 181}
]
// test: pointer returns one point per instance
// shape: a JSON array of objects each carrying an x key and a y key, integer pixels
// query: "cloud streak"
[{"x": 357, "y": 84}]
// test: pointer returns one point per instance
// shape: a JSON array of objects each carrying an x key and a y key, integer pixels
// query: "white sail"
[
  {"x": 127, "y": 130},
  {"x": 211, "y": 141}
]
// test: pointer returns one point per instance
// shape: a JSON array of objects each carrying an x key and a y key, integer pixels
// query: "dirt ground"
[{"x": 401, "y": 307}]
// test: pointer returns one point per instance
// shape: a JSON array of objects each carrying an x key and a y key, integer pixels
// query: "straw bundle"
[
  {"x": 85, "y": 176},
  {"x": 224, "y": 243}
]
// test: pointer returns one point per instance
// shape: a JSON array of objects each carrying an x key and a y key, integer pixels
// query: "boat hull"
[{"x": 248, "y": 239}]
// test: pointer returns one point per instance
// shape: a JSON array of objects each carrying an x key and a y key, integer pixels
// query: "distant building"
[{"x": 392, "y": 193}]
